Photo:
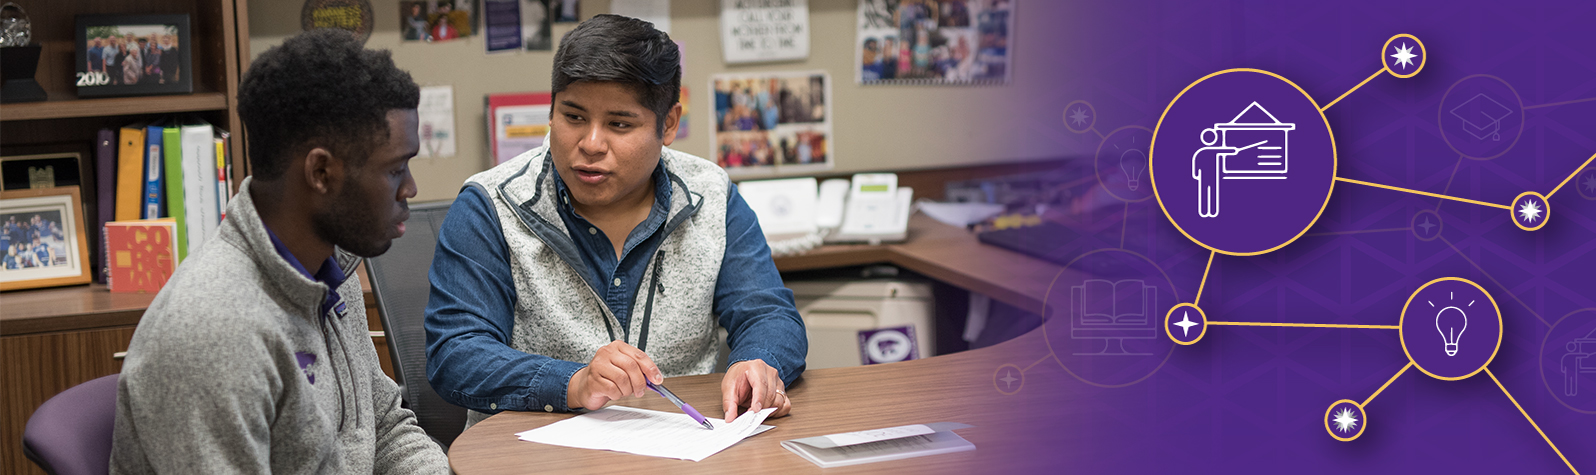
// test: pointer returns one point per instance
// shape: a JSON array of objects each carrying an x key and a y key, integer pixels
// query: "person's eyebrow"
[
  {"x": 573, "y": 105},
  {"x": 624, "y": 113}
]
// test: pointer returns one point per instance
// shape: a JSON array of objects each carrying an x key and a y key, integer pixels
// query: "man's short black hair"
[
  {"x": 321, "y": 88},
  {"x": 613, "y": 48}
]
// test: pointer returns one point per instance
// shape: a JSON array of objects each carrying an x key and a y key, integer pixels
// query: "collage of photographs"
[
  {"x": 775, "y": 122},
  {"x": 934, "y": 41}
]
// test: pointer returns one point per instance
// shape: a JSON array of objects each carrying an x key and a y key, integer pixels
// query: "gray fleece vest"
[{"x": 560, "y": 315}]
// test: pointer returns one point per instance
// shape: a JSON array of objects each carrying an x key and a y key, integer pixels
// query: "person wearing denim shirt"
[{"x": 567, "y": 276}]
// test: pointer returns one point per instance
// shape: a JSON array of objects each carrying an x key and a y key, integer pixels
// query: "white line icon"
[{"x": 1263, "y": 159}]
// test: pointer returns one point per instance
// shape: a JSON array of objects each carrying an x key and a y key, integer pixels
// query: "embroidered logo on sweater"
[{"x": 306, "y": 359}]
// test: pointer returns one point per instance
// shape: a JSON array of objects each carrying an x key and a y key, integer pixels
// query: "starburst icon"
[
  {"x": 1529, "y": 211},
  {"x": 1078, "y": 116},
  {"x": 1345, "y": 420},
  {"x": 1590, "y": 183},
  {"x": 1404, "y": 56}
]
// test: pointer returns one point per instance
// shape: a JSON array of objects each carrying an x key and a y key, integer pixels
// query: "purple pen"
[{"x": 687, "y": 408}]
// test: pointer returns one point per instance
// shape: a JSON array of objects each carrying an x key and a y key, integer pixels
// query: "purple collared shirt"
[{"x": 329, "y": 274}]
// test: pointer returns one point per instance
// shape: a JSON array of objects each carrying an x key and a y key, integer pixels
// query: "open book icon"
[{"x": 1113, "y": 311}]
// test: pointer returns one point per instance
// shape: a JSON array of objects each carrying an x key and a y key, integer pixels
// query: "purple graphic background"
[{"x": 1251, "y": 399}]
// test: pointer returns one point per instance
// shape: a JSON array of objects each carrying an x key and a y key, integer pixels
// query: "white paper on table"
[{"x": 645, "y": 432}]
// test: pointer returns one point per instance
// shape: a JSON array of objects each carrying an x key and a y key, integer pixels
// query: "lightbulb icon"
[
  {"x": 1134, "y": 162},
  {"x": 1451, "y": 322}
]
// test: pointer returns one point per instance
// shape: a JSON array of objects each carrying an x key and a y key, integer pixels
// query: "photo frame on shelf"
[
  {"x": 133, "y": 55},
  {"x": 45, "y": 170},
  {"x": 43, "y": 233}
]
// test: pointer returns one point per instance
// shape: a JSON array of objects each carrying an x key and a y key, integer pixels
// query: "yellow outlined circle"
[
  {"x": 1402, "y": 336},
  {"x": 1045, "y": 319},
  {"x": 1424, "y": 55},
  {"x": 1200, "y": 314},
  {"x": 1017, "y": 369},
  {"x": 1152, "y": 152},
  {"x": 1364, "y": 424},
  {"x": 1541, "y": 361},
  {"x": 1440, "y": 115},
  {"x": 1546, "y": 214},
  {"x": 1439, "y": 223},
  {"x": 1089, "y": 125},
  {"x": 1098, "y": 172}
]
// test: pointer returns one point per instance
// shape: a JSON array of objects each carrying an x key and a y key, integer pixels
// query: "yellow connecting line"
[
  {"x": 1387, "y": 383},
  {"x": 1204, "y": 282},
  {"x": 1531, "y": 420},
  {"x": 1571, "y": 176},
  {"x": 1305, "y": 325},
  {"x": 1425, "y": 193},
  {"x": 1466, "y": 200},
  {"x": 1354, "y": 88}
]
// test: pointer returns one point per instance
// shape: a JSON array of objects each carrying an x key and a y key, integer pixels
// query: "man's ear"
[
  {"x": 322, "y": 171},
  {"x": 673, "y": 119}
]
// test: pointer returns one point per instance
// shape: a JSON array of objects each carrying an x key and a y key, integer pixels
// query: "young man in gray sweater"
[{"x": 255, "y": 356}]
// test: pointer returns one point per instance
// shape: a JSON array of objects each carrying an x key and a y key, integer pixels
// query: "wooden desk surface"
[
  {"x": 949, "y": 254},
  {"x": 959, "y": 387}
]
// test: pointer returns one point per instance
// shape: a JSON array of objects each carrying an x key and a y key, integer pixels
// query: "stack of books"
[{"x": 172, "y": 169}]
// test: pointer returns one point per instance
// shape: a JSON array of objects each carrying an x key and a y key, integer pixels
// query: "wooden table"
[
  {"x": 960, "y": 387},
  {"x": 1009, "y": 434}
]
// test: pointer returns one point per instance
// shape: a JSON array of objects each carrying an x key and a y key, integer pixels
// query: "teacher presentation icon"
[
  {"x": 1451, "y": 328},
  {"x": 1261, "y": 170},
  {"x": 1264, "y": 158}
]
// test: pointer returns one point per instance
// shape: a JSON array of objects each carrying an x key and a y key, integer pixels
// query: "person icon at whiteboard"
[{"x": 1219, "y": 160}]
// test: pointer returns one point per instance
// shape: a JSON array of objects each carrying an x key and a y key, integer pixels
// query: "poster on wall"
[
  {"x": 437, "y": 20},
  {"x": 754, "y": 31},
  {"x": 934, "y": 41},
  {"x": 435, "y": 118},
  {"x": 536, "y": 25},
  {"x": 770, "y": 123},
  {"x": 352, "y": 15},
  {"x": 517, "y": 122},
  {"x": 565, "y": 11},
  {"x": 501, "y": 25}
]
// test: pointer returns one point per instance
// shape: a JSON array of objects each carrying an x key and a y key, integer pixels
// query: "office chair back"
[
  {"x": 399, "y": 281},
  {"x": 70, "y": 434}
]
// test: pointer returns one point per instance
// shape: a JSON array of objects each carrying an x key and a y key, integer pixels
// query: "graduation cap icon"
[{"x": 1482, "y": 116}]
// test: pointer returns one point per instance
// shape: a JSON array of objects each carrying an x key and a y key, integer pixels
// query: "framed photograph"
[
  {"x": 933, "y": 42},
  {"x": 42, "y": 233},
  {"x": 133, "y": 55},
  {"x": 775, "y": 123},
  {"x": 24, "y": 172}
]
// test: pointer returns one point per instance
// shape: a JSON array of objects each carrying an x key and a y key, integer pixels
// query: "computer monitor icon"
[{"x": 1113, "y": 311}]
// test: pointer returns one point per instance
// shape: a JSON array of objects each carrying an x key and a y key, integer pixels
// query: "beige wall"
[{"x": 876, "y": 127}]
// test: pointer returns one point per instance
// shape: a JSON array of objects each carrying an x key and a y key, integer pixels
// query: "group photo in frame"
[
  {"x": 43, "y": 234},
  {"x": 133, "y": 55}
]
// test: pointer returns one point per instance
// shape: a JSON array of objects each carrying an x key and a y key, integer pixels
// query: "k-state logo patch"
[{"x": 306, "y": 359}]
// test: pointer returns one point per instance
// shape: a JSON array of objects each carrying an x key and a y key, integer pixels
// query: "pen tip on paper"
[{"x": 707, "y": 426}]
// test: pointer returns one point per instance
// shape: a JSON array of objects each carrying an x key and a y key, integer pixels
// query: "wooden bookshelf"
[
  {"x": 116, "y": 106},
  {"x": 53, "y": 339}
]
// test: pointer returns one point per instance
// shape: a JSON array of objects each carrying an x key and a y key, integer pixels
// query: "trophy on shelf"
[{"x": 19, "y": 60}]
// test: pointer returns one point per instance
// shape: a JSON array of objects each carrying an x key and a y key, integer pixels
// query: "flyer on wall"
[
  {"x": 934, "y": 42},
  {"x": 770, "y": 123}
]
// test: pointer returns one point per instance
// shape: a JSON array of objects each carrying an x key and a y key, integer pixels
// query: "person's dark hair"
[
  {"x": 321, "y": 88},
  {"x": 613, "y": 48}
]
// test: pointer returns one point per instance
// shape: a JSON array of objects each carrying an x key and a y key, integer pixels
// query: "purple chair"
[{"x": 71, "y": 433}]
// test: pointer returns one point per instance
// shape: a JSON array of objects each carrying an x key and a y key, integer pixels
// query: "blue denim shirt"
[{"x": 471, "y": 310}]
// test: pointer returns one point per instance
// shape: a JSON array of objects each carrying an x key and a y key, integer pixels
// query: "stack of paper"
[
  {"x": 880, "y": 445},
  {"x": 645, "y": 432}
]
